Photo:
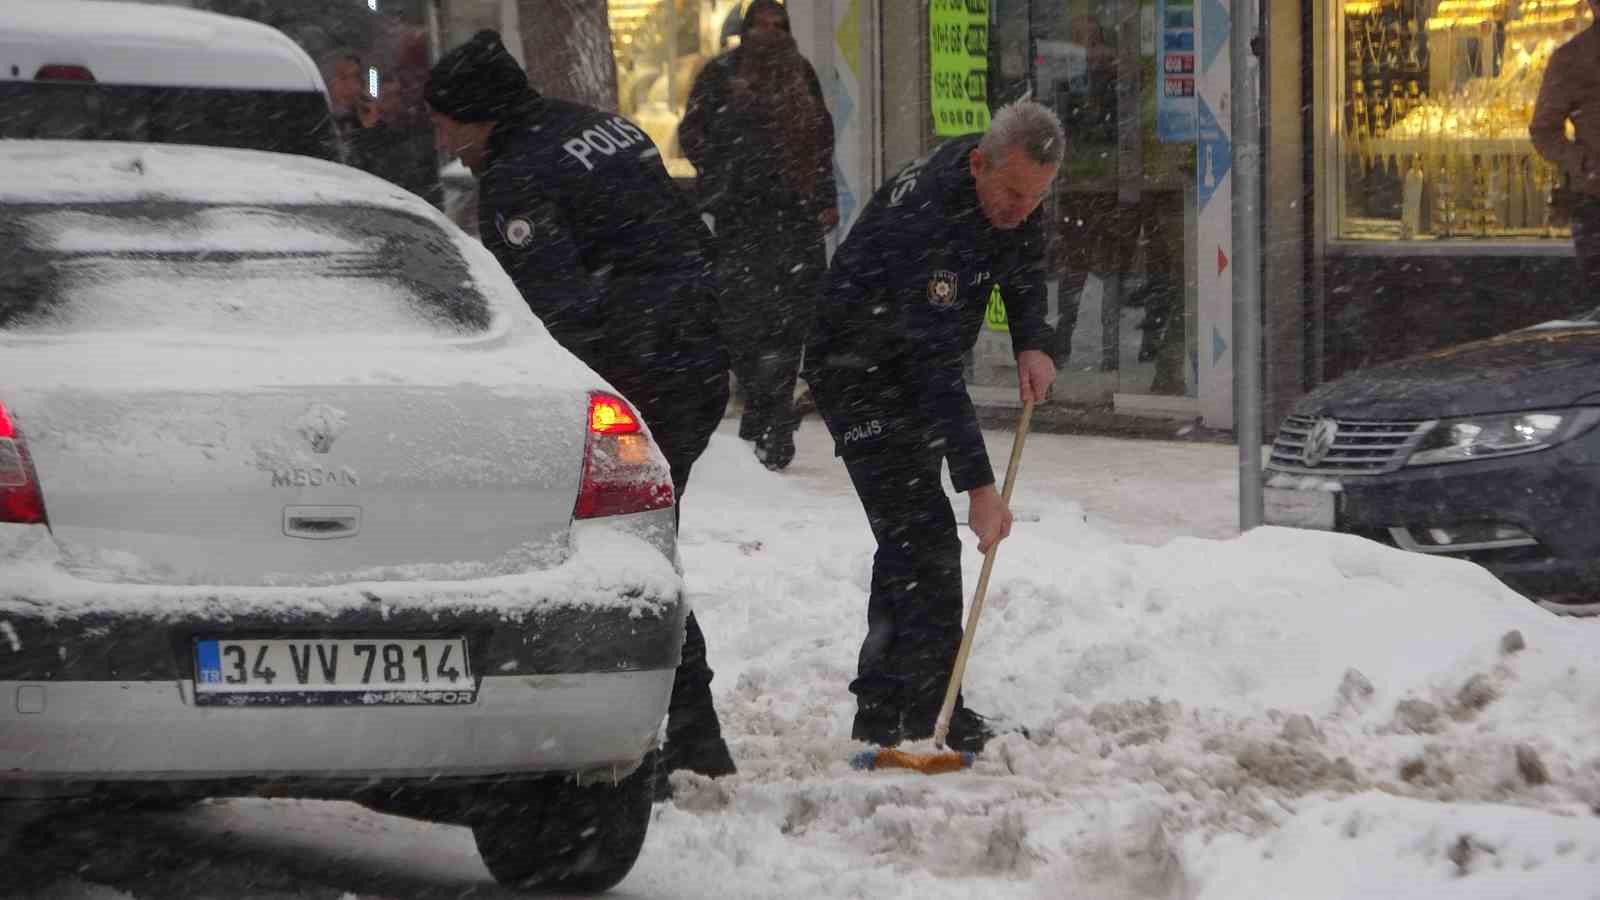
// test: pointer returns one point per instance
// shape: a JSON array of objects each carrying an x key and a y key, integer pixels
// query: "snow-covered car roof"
[
  {"x": 109, "y": 172},
  {"x": 145, "y": 44}
]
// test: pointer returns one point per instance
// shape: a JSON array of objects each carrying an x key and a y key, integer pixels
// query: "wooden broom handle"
[{"x": 942, "y": 726}]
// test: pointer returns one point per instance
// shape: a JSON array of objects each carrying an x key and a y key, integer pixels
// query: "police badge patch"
[
  {"x": 943, "y": 288},
  {"x": 518, "y": 232}
]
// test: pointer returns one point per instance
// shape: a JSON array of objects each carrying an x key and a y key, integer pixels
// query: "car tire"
[{"x": 557, "y": 836}]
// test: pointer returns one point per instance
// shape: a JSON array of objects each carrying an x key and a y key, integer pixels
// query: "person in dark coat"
[
  {"x": 901, "y": 304},
  {"x": 392, "y": 144},
  {"x": 759, "y": 133},
  {"x": 577, "y": 205},
  {"x": 1570, "y": 94}
]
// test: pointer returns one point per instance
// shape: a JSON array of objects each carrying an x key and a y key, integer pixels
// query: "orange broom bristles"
[{"x": 934, "y": 763}]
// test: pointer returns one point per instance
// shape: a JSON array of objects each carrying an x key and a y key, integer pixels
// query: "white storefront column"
[
  {"x": 1214, "y": 200},
  {"x": 840, "y": 39}
]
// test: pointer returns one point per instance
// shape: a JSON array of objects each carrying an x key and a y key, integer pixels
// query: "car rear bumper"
[
  {"x": 78, "y": 735},
  {"x": 1552, "y": 497}
]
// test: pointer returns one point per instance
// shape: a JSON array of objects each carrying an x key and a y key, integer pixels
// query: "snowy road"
[{"x": 1284, "y": 714}]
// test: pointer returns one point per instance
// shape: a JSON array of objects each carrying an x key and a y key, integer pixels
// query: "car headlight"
[{"x": 1482, "y": 437}]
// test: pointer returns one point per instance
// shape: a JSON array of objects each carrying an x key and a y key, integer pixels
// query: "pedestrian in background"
[
  {"x": 394, "y": 143},
  {"x": 758, "y": 131},
  {"x": 346, "y": 79},
  {"x": 1571, "y": 93},
  {"x": 578, "y": 207},
  {"x": 901, "y": 304}
]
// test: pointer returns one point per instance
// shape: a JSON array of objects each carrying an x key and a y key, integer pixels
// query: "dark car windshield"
[
  {"x": 237, "y": 269},
  {"x": 283, "y": 121}
]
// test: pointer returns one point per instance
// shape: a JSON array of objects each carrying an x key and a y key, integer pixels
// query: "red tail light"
[
  {"x": 621, "y": 472},
  {"x": 608, "y": 415},
  {"x": 20, "y": 499},
  {"x": 56, "y": 72}
]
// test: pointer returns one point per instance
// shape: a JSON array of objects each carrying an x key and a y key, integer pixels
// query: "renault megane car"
[
  {"x": 1486, "y": 451},
  {"x": 295, "y": 491}
]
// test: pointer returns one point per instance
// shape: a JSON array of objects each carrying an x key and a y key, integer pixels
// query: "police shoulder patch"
[
  {"x": 943, "y": 289},
  {"x": 518, "y": 232}
]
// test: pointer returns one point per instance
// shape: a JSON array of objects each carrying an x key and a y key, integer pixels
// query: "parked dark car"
[{"x": 1486, "y": 451}]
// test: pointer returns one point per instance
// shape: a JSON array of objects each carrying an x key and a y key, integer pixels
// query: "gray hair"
[{"x": 1027, "y": 126}]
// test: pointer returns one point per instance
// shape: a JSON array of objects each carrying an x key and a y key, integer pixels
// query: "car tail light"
[
  {"x": 20, "y": 499},
  {"x": 621, "y": 472},
  {"x": 57, "y": 72}
]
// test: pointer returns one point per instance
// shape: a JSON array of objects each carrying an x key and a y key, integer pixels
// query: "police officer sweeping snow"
[
  {"x": 578, "y": 207},
  {"x": 901, "y": 303}
]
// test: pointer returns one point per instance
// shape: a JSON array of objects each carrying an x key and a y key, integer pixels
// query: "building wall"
[{"x": 905, "y": 116}]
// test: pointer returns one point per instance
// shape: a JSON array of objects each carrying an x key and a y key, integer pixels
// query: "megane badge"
[{"x": 1319, "y": 443}]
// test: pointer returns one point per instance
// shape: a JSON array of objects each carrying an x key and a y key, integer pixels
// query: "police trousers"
[
  {"x": 682, "y": 413},
  {"x": 914, "y": 610},
  {"x": 770, "y": 268}
]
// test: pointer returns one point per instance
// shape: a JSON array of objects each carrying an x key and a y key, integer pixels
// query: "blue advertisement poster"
[{"x": 1175, "y": 72}]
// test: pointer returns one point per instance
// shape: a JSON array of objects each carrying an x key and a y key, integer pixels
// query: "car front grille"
[{"x": 1360, "y": 446}]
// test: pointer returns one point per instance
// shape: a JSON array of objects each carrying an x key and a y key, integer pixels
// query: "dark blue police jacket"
[
  {"x": 902, "y": 302},
  {"x": 578, "y": 207}
]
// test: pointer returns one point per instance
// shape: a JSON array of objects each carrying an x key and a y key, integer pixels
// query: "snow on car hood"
[
  {"x": 607, "y": 566},
  {"x": 1543, "y": 367}
]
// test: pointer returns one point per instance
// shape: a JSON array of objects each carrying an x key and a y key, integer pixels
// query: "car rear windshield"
[
  {"x": 282, "y": 121},
  {"x": 232, "y": 269}
]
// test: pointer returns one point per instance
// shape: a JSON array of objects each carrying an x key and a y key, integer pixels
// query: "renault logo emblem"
[
  {"x": 1319, "y": 443},
  {"x": 321, "y": 425}
]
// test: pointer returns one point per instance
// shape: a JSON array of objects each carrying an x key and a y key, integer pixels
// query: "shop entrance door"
[{"x": 1124, "y": 209}]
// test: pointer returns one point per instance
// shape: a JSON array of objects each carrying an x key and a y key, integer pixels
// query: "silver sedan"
[{"x": 297, "y": 497}]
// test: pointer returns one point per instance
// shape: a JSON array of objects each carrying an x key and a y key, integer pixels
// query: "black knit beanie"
[{"x": 478, "y": 81}]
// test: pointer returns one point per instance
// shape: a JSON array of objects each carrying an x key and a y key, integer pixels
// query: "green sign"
[
  {"x": 958, "y": 41},
  {"x": 994, "y": 315}
]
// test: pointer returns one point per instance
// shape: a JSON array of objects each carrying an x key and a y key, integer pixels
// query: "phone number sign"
[
  {"x": 958, "y": 42},
  {"x": 1175, "y": 72}
]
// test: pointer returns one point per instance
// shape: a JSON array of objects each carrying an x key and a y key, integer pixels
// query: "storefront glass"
[
  {"x": 1435, "y": 99},
  {"x": 659, "y": 46},
  {"x": 1124, "y": 202}
]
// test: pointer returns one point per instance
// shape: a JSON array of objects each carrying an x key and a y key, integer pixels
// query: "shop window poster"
[
  {"x": 1175, "y": 72},
  {"x": 958, "y": 42}
]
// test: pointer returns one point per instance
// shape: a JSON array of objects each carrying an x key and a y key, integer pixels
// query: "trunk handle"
[{"x": 321, "y": 523}]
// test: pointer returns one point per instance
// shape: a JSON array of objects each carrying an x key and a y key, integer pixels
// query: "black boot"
[
  {"x": 709, "y": 757},
  {"x": 879, "y": 726},
  {"x": 969, "y": 732},
  {"x": 775, "y": 448},
  {"x": 751, "y": 426},
  {"x": 694, "y": 735}
]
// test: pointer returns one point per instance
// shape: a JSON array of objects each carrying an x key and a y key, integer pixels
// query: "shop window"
[
  {"x": 659, "y": 47},
  {"x": 1435, "y": 100}
]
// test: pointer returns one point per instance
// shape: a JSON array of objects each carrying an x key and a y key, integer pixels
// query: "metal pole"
[{"x": 1247, "y": 268}]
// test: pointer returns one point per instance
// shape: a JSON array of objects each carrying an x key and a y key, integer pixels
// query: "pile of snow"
[{"x": 1175, "y": 694}]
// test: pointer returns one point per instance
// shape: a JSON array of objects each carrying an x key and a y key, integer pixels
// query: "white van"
[{"x": 84, "y": 70}]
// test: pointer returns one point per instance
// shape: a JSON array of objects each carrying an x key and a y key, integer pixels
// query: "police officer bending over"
[
  {"x": 578, "y": 207},
  {"x": 901, "y": 304}
]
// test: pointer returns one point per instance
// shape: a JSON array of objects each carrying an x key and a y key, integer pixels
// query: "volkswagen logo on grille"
[{"x": 1319, "y": 443}]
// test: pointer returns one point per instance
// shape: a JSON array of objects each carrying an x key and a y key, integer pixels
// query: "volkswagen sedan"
[{"x": 1487, "y": 452}]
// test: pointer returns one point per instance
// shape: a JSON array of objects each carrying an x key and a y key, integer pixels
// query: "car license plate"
[
  {"x": 1300, "y": 509},
  {"x": 327, "y": 671}
]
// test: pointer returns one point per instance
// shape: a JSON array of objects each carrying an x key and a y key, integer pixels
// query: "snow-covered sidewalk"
[{"x": 1283, "y": 714}]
